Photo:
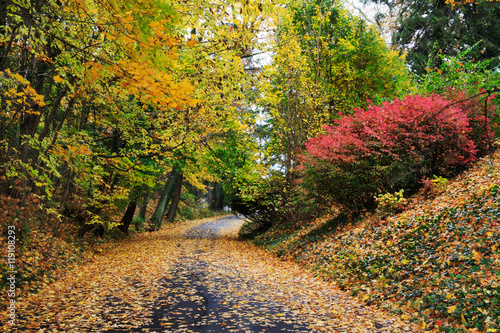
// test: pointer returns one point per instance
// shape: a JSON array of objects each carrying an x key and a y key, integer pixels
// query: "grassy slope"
[{"x": 438, "y": 262}]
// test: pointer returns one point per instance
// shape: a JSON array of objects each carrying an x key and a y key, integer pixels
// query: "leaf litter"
[{"x": 196, "y": 277}]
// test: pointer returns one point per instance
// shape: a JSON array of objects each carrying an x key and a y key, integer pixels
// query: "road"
[{"x": 197, "y": 277}]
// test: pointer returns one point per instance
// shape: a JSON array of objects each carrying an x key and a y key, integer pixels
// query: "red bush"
[
  {"x": 388, "y": 147},
  {"x": 480, "y": 110}
]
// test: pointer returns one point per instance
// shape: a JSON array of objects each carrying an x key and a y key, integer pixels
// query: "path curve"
[{"x": 196, "y": 277}]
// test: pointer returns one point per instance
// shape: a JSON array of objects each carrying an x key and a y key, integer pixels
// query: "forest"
[{"x": 311, "y": 118}]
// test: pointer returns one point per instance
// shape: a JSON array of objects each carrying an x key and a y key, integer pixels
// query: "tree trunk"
[
  {"x": 220, "y": 197},
  {"x": 175, "y": 200},
  {"x": 211, "y": 196},
  {"x": 165, "y": 196},
  {"x": 128, "y": 216},
  {"x": 64, "y": 199},
  {"x": 143, "y": 208},
  {"x": 215, "y": 197}
]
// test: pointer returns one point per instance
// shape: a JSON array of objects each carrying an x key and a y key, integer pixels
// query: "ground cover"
[{"x": 437, "y": 263}]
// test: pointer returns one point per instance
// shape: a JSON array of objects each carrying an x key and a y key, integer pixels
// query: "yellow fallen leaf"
[{"x": 451, "y": 309}]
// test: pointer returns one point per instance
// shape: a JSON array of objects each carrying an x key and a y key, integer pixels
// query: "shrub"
[
  {"x": 138, "y": 223},
  {"x": 387, "y": 146},
  {"x": 480, "y": 112},
  {"x": 261, "y": 211},
  {"x": 388, "y": 203},
  {"x": 274, "y": 202},
  {"x": 432, "y": 187}
]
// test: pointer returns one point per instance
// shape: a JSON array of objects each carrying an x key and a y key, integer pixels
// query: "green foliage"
[
  {"x": 138, "y": 223},
  {"x": 459, "y": 72},
  {"x": 274, "y": 203},
  {"x": 347, "y": 57},
  {"x": 424, "y": 29},
  {"x": 473, "y": 85},
  {"x": 326, "y": 62},
  {"x": 388, "y": 203},
  {"x": 232, "y": 160},
  {"x": 433, "y": 187},
  {"x": 192, "y": 208},
  {"x": 262, "y": 209}
]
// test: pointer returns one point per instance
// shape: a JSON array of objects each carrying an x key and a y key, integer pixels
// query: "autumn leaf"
[{"x": 191, "y": 43}]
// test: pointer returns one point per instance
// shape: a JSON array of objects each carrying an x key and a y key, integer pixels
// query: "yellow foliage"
[{"x": 20, "y": 94}]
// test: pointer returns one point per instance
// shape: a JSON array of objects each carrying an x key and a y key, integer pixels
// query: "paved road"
[
  {"x": 215, "y": 228},
  {"x": 207, "y": 296},
  {"x": 207, "y": 291},
  {"x": 195, "y": 277}
]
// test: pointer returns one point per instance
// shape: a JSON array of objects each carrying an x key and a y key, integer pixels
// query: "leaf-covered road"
[{"x": 196, "y": 277}]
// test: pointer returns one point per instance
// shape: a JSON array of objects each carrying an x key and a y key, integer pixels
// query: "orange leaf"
[{"x": 191, "y": 43}]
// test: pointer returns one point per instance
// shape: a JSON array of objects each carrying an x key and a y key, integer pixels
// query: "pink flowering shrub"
[{"x": 386, "y": 148}]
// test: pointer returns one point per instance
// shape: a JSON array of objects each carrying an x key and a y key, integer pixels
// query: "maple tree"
[
  {"x": 83, "y": 93},
  {"x": 98, "y": 101},
  {"x": 104, "y": 93}
]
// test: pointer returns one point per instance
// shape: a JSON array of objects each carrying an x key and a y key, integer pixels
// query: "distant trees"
[
  {"x": 425, "y": 29},
  {"x": 326, "y": 62}
]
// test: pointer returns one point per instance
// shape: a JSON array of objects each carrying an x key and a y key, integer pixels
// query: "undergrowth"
[{"x": 39, "y": 258}]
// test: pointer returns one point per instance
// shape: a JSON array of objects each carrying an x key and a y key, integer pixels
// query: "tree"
[
  {"x": 474, "y": 87},
  {"x": 72, "y": 82},
  {"x": 326, "y": 62},
  {"x": 165, "y": 196},
  {"x": 348, "y": 55},
  {"x": 425, "y": 29},
  {"x": 96, "y": 96}
]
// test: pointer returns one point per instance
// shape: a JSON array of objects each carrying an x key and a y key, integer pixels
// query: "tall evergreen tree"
[{"x": 425, "y": 28}]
